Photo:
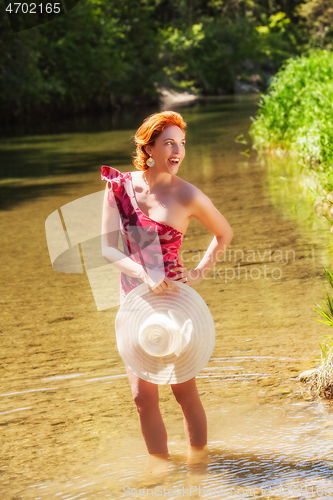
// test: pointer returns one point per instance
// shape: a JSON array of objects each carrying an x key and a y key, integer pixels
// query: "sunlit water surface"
[{"x": 69, "y": 426}]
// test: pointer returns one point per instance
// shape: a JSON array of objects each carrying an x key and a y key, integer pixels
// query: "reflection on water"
[
  {"x": 294, "y": 194},
  {"x": 69, "y": 426}
]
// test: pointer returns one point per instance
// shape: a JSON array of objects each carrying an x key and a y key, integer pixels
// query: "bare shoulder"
[
  {"x": 197, "y": 204},
  {"x": 188, "y": 192},
  {"x": 202, "y": 208}
]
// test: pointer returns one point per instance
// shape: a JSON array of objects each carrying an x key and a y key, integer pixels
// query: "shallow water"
[{"x": 69, "y": 426}]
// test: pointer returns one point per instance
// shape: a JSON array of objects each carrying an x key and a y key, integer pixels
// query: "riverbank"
[{"x": 296, "y": 118}]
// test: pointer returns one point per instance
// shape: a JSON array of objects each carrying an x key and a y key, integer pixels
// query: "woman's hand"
[
  {"x": 192, "y": 277},
  {"x": 166, "y": 283},
  {"x": 160, "y": 282}
]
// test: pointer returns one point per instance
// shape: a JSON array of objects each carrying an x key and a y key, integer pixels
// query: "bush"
[{"x": 297, "y": 114}]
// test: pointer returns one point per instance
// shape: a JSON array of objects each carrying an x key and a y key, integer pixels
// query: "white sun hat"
[{"x": 165, "y": 338}]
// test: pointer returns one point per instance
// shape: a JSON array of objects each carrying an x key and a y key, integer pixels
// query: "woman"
[{"x": 154, "y": 200}]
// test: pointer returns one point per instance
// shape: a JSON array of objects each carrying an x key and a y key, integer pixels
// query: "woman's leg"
[
  {"x": 145, "y": 396},
  {"x": 195, "y": 421}
]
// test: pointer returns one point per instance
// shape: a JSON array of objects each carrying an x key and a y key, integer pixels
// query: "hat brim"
[{"x": 185, "y": 304}]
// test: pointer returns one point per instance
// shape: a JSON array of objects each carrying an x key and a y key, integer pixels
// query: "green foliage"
[
  {"x": 317, "y": 19},
  {"x": 321, "y": 380},
  {"x": 99, "y": 53},
  {"x": 326, "y": 313},
  {"x": 113, "y": 52},
  {"x": 277, "y": 37},
  {"x": 206, "y": 56},
  {"x": 297, "y": 113},
  {"x": 96, "y": 52},
  {"x": 20, "y": 78},
  {"x": 325, "y": 348}
]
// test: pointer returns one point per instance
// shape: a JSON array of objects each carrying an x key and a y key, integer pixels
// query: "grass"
[
  {"x": 321, "y": 380},
  {"x": 296, "y": 114}
]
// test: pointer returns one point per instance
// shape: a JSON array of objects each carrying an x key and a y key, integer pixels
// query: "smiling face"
[{"x": 168, "y": 150}]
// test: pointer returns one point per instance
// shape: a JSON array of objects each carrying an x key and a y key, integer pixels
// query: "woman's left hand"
[{"x": 192, "y": 277}]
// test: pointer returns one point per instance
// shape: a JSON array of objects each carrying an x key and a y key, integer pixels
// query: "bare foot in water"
[
  {"x": 158, "y": 464},
  {"x": 197, "y": 460}
]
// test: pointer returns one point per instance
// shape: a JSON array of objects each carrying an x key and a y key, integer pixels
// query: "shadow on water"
[
  {"x": 24, "y": 159},
  {"x": 119, "y": 119},
  {"x": 15, "y": 194},
  {"x": 42, "y": 159}
]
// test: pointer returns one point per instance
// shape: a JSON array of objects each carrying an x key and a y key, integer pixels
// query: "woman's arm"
[{"x": 203, "y": 209}]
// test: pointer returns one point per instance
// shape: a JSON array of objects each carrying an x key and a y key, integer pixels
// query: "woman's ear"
[{"x": 147, "y": 149}]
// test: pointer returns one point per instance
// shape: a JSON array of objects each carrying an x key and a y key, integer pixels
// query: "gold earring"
[{"x": 150, "y": 162}]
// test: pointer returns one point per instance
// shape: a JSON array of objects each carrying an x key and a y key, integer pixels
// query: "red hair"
[{"x": 150, "y": 129}]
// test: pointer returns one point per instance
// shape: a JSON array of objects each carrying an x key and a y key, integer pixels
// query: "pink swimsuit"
[{"x": 139, "y": 232}]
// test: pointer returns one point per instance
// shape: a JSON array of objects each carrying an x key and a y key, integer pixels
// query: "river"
[{"x": 69, "y": 425}]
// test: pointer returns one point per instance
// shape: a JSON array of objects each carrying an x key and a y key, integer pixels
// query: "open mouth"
[{"x": 174, "y": 161}]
